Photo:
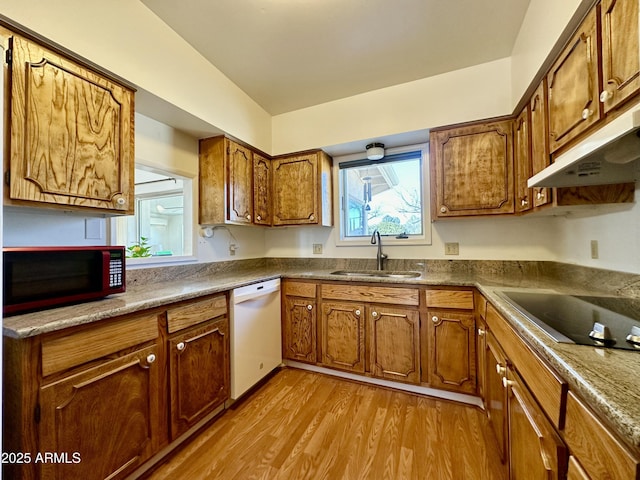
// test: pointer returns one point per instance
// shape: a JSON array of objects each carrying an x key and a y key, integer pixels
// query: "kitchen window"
[
  {"x": 161, "y": 229},
  {"x": 389, "y": 195}
]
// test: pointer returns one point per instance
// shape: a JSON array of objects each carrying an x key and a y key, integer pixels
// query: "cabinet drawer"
[
  {"x": 300, "y": 289},
  {"x": 462, "y": 299},
  {"x": 194, "y": 313},
  {"x": 60, "y": 352},
  {"x": 597, "y": 450},
  {"x": 549, "y": 389},
  {"x": 361, "y": 293}
]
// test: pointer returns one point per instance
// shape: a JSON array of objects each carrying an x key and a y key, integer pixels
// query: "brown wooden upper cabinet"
[
  {"x": 539, "y": 127},
  {"x": 522, "y": 160},
  {"x": 71, "y": 133},
  {"x": 573, "y": 86},
  {"x": 586, "y": 82},
  {"x": 226, "y": 182},
  {"x": 620, "y": 60},
  {"x": 302, "y": 189},
  {"x": 472, "y": 169},
  {"x": 240, "y": 186}
]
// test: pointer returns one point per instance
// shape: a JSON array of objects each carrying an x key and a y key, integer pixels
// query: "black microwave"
[{"x": 36, "y": 278}]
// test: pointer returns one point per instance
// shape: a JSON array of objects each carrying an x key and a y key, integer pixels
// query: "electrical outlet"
[
  {"x": 451, "y": 248},
  {"x": 594, "y": 248},
  {"x": 232, "y": 249},
  {"x": 317, "y": 248}
]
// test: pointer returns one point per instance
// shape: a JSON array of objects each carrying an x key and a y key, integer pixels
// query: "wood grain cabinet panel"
[
  {"x": 299, "y": 329},
  {"x": 108, "y": 414},
  {"x": 302, "y": 189},
  {"x": 573, "y": 86},
  {"x": 535, "y": 448},
  {"x": 472, "y": 169},
  {"x": 199, "y": 373},
  {"x": 262, "y": 188},
  {"x": 343, "y": 341},
  {"x": 394, "y": 343},
  {"x": 599, "y": 453},
  {"x": 453, "y": 350},
  {"x": 522, "y": 160},
  {"x": 239, "y": 184},
  {"x": 539, "y": 127},
  {"x": 495, "y": 393},
  {"x": 620, "y": 59},
  {"x": 71, "y": 129}
]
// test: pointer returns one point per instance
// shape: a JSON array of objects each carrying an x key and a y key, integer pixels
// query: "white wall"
[
  {"x": 472, "y": 93},
  {"x": 126, "y": 38}
]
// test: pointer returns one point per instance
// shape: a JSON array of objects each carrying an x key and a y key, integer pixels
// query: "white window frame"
[
  {"x": 190, "y": 209},
  {"x": 338, "y": 201}
]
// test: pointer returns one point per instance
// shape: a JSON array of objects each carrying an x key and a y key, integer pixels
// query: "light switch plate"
[
  {"x": 451, "y": 248},
  {"x": 317, "y": 248}
]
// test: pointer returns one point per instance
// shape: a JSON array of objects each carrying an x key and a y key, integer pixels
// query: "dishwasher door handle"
[{"x": 246, "y": 296}]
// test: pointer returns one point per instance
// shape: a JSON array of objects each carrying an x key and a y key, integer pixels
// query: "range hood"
[{"x": 609, "y": 155}]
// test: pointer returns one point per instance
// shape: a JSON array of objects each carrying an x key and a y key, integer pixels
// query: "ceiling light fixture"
[{"x": 375, "y": 151}]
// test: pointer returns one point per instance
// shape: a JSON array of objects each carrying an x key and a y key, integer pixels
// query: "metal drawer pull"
[
  {"x": 180, "y": 346},
  {"x": 634, "y": 337},
  {"x": 500, "y": 370},
  {"x": 506, "y": 382},
  {"x": 151, "y": 358}
]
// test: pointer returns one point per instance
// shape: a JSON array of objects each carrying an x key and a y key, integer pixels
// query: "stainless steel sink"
[{"x": 377, "y": 273}]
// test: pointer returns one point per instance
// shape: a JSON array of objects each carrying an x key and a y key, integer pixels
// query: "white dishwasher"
[{"x": 256, "y": 341}]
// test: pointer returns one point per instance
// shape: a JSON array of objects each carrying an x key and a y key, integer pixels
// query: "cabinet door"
[
  {"x": 199, "y": 373},
  {"x": 261, "y": 190},
  {"x": 394, "y": 343},
  {"x": 620, "y": 60},
  {"x": 295, "y": 195},
  {"x": 473, "y": 169},
  {"x": 239, "y": 183},
  {"x": 343, "y": 335},
  {"x": 71, "y": 133},
  {"x": 299, "y": 329},
  {"x": 108, "y": 414},
  {"x": 540, "y": 158},
  {"x": 573, "y": 87},
  {"x": 453, "y": 352},
  {"x": 535, "y": 449},
  {"x": 522, "y": 161},
  {"x": 495, "y": 393}
]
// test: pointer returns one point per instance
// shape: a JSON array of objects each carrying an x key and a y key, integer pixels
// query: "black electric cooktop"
[{"x": 608, "y": 322}]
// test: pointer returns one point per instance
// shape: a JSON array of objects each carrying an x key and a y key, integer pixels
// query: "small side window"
[{"x": 162, "y": 226}]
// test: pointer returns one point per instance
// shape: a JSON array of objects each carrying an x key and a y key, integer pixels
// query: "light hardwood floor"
[{"x": 304, "y": 425}]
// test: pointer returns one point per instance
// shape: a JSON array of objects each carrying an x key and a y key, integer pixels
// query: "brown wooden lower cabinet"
[
  {"x": 453, "y": 350},
  {"x": 299, "y": 329},
  {"x": 596, "y": 452},
  {"x": 98, "y": 400},
  {"x": 199, "y": 373},
  {"x": 394, "y": 343},
  {"x": 535, "y": 448},
  {"x": 343, "y": 343},
  {"x": 104, "y": 420},
  {"x": 495, "y": 393}
]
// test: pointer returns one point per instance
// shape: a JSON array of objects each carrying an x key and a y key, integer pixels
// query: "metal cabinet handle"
[
  {"x": 121, "y": 201},
  {"x": 248, "y": 217},
  {"x": 586, "y": 113},
  {"x": 500, "y": 370},
  {"x": 481, "y": 332},
  {"x": 443, "y": 209},
  {"x": 309, "y": 307},
  {"x": 435, "y": 319},
  {"x": 180, "y": 346},
  {"x": 357, "y": 312},
  {"x": 506, "y": 382},
  {"x": 524, "y": 202},
  {"x": 151, "y": 358},
  {"x": 374, "y": 314},
  {"x": 259, "y": 217},
  {"x": 312, "y": 217}
]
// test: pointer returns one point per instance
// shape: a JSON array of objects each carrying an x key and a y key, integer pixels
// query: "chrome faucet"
[{"x": 375, "y": 238}]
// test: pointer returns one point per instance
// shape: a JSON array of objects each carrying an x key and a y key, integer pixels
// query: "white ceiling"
[{"x": 291, "y": 54}]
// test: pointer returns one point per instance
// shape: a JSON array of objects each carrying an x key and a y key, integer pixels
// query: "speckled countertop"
[{"x": 609, "y": 380}]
